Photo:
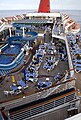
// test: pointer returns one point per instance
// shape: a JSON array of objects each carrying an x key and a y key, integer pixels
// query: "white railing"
[
  {"x": 63, "y": 37},
  {"x": 4, "y": 25},
  {"x": 33, "y": 97},
  {"x": 69, "y": 58}
]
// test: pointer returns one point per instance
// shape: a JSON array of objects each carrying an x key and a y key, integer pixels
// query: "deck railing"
[{"x": 35, "y": 96}]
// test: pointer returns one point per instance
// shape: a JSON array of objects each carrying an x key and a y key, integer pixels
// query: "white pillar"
[
  {"x": 23, "y": 32},
  {"x": 10, "y": 32},
  {"x": 28, "y": 30}
]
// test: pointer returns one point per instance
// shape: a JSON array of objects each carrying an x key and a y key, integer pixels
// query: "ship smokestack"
[{"x": 44, "y": 6}]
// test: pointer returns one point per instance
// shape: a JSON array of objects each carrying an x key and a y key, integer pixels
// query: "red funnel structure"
[{"x": 44, "y": 6}]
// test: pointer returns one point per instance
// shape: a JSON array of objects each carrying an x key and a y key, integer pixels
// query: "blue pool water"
[
  {"x": 11, "y": 49},
  {"x": 5, "y": 59}
]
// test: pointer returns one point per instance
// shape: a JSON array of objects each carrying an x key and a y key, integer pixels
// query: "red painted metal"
[{"x": 44, "y": 6}]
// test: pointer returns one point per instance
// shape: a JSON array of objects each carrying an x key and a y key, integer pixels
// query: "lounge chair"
[
  {"x": 18, "y": 92},
  {"x": 78, "y": 69},
  {"x": 12, "y": 92},
  {"x": 6, "y": 93},
  {"x": 77, "y": 61},
  {"x": 77, "y": 65},
  {"x": 22, "y": 83}
]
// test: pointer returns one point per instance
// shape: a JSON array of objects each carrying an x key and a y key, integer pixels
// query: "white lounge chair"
[
  {"x": 11, "y": 92},
  {"x": 6, "y": 93},
  {"x": 18, "y": 92},
  {"x": 77, "y": 65}
]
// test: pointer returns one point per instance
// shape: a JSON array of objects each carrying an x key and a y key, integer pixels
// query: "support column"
[
  {"x": 10, "y": 32},
  {"x": 24, "y": 72},
  {"x": 29, "y": 43},
  {"x": 44, "y": 37},
  {"x": 23, "y": 32}
]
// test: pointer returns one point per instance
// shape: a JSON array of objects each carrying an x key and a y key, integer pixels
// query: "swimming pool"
[
  {"x": 9, "y": 53},
  {"x": 12, "y": 54}
]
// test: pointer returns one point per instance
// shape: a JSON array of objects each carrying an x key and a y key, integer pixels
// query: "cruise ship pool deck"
[
  {"x": 43, "y": 73},
  {"x": 40, "y": 56}
]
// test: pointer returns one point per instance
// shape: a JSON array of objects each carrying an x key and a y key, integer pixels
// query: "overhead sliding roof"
[
  {"x": 33, "y": 21},
  {"x": 27, "y": 22},
  {"x": 37, "y": 18}
]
